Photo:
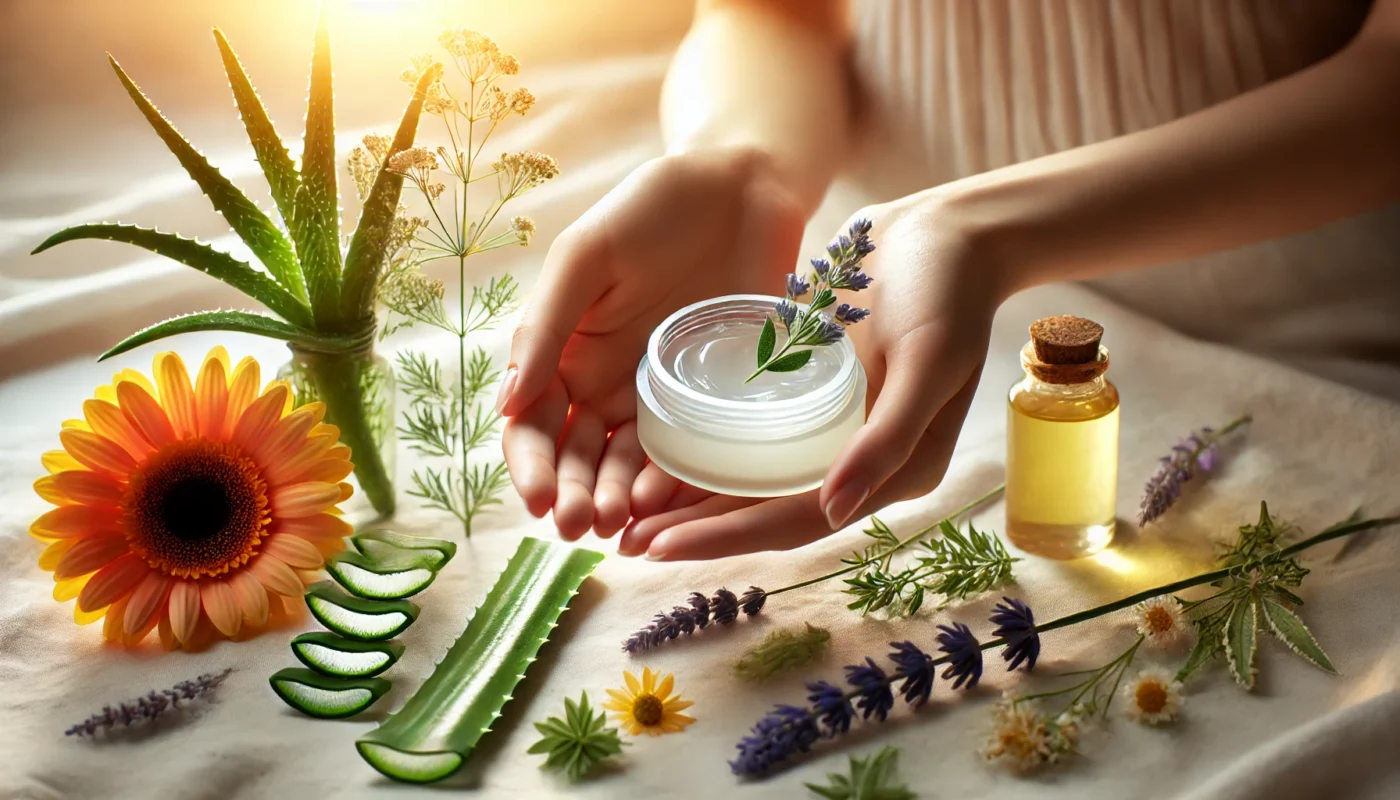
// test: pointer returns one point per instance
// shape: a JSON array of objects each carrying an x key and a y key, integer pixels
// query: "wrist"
[{"x": 760, "y": 166}]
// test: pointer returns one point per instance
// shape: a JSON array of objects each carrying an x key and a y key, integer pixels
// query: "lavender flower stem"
[{"x": 912, "y": 538}]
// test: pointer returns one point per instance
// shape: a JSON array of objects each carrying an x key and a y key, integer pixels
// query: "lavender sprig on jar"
[{"x": 814, "y": 326}]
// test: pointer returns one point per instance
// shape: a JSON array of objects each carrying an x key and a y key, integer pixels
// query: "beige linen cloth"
[{"x": 1316, "y": 451}]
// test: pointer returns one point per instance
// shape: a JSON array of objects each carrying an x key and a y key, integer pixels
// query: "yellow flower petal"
[{"x": 633, "y": 685}]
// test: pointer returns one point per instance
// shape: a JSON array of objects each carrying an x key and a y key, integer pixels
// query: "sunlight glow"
[{"x": 1114, "y": 561}]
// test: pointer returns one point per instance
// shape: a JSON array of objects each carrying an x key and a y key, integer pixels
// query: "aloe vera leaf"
[
  {"x": 191, "y": 253},
  {"x": 432, "y": 735},
  {"x": 365, "y": 259},
  {"x": 383, "y": 544},
  {"x": 236, "y": 321},
  {"x": 243, "y": 215},
  {"x": 356, "y": 617},
  {"x": 394, "y": 578},
  {"x": 337, "y": 656},
  {"x": 277, "y": 165},
  {"x": 325, "y": 696},
  {"x": 315, "y": 222}
]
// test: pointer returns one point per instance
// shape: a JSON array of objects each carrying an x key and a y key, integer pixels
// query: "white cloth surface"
[{"x": 1316, "y": 451}]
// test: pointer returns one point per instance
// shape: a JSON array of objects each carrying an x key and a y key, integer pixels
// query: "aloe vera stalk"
[
  {"x": 432, "y": 735},
  {"x": 358, "y": 618},
  {"x": 392, "y": 578},
  {"x": 319, "y": 306},
  {"x": 339, "y": 657},
  {"x": 382, "y": 544},
  {"x": 324, "y": 696}
]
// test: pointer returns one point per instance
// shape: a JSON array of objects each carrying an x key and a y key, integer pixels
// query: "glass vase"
[{"x": 358, "y": 387}]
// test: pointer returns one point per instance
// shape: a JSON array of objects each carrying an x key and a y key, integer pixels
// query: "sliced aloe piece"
[
  {"x": 340, "y": 657},
  {"x": 356, "y": 617},
  {"x": 432, "y": 735},
  {"x": 391, "y": 578},
  {"x": 326, "y": 696},
  {"x": 388, "y": 544}
]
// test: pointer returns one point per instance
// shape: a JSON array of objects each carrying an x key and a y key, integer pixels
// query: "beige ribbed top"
[{"x": 957, "y": 87}]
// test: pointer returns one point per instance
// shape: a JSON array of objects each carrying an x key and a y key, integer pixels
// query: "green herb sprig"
[
  {"x": 578, "y": 742},
  {"x": 782, "y": 651},
  {"x": 956, "y": 566},
  {"x": 871, "y": 778}
]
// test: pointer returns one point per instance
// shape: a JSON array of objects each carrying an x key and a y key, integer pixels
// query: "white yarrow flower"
[
  {"x": 1153, "y": 697},
  {"x": 1162, "y": 621}
]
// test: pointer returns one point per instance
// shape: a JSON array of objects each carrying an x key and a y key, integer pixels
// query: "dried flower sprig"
[
  {"x": 697, "y": 613},
  {"x": 871, "y": 778},
  {"x": 810, "y": 327},
  {"x": 1196, "y": 453},
  {"x": 579, "y": 742},
  {"x": 782, "y": 651},
  {"x": 1025, "y": 735},
  {"x": 149, "y": 707}
]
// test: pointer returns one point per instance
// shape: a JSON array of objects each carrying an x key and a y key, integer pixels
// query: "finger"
[
  {"x": 636, "y": 538},
  {"x": 687, "y": 495},
  {"x": 570, "y": 281},
  {"x": 622, "y": 463},
  {"x": 912, "y": 394},
  {"x": 528, "y": 443},
  {"x": 652, "y": 491},
  {"x": 579, "y": 450},
  {"x": 713, "y": 529}
]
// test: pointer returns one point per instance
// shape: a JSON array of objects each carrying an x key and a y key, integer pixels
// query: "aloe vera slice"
[
  {"x": 391, "y": 578},
  {"x": 340, "y": 657},
  {"x": 356, "y": 617},
  {"x": 431, "y": 736},
  {"x": 325, "y": 696},
  {"x": 389, "y": 544}
]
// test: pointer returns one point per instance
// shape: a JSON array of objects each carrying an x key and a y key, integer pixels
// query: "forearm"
[
  {"x": 767, "y": 76},
  {"x": 1314, "y": 147}
]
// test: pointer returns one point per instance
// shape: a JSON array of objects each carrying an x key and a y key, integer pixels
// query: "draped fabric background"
[{"x": 74, "y": 150}]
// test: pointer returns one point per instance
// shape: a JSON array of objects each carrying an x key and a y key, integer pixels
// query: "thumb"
[
  {"x": 570, "y": 281},
  {"x": 912, "y": 394}
]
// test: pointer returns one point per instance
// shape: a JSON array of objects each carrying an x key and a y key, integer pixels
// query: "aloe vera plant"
[
  {"x": 390, "y": 577},
  {"x": 323, "y": 300},
  {"x": 358, "y": 618},
  {"x": 337, "y": 656},
  {"x": 432, "y": 735},
  {"x": 326, "y": 696},
  {"x": 382, "y": 544}
]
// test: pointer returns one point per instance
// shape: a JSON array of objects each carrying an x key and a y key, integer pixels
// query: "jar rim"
[{"x": 839, "y": 383}]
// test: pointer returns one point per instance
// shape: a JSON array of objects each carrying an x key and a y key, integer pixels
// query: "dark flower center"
[
  {"x": 195, "y": 509},
  {"x": 647, "y": 709}
]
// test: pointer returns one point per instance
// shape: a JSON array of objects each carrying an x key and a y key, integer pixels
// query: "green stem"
[
  {"x": 336, "y": 377},
  {"x": 903, "y": 543}
]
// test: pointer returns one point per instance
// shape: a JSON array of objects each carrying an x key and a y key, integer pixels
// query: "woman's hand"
[
  {"x": 679, "y": 229},
  {"x": 923, "y": 348}
]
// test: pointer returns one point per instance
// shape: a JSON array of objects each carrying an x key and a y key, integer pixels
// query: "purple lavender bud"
[
  {"x": 833, "y": 710},
  {"x": 751, "y": 602},
  {"x": 701, "y": 604},
  {"x": 787, "y": 312},
  {"x": 965, "y": 654},
  {"x": 1016, "y": 624},
  {"x": 822, "y": 267},
  {"x": 724, "y": 607},
  {"x": 796, "y": 287},
  {"x": 826, "y": 333},
  {"x": 916, "y": 668},
  {"x": 876, "y": 698},
  {"x": 847, "y": 314},
  {"x": 783, "y": 732},
  {"x": 1197, "y": 452}
]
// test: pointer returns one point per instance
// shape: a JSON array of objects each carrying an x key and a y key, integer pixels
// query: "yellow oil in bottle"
[{"x": 1061, "y": 462}]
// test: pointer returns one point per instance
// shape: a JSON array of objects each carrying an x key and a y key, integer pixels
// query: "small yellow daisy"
[{"x": 647, "y": 705}]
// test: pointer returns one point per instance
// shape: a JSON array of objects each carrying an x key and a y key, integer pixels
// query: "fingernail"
[
  {"x": 507, "y": 386},
  {"x": 844, "y": 503},
  {"x": 657, "y": 550},
  {"x": 655, "y": 556}
]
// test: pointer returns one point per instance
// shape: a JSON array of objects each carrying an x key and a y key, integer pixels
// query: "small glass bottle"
[{"x": 1062, "y": 443}]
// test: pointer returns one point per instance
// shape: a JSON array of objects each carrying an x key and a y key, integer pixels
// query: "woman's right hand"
[{"x": 679, "y": 229}]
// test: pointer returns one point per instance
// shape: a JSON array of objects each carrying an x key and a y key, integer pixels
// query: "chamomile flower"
[
  {"x": 1162, "y": 621},
  {"x": 1153, "y": 697},
  {"x": 1026, "y": 739}
]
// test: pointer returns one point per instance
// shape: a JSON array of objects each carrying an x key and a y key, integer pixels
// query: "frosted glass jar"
[{"x": 777, "y": 435}]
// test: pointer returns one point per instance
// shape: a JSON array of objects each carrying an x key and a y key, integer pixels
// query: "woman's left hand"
[{"x": 922, "y": 347}]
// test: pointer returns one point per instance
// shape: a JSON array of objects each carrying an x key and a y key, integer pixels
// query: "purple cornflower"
[
  {"x": 965, "y": 654},
  {"x": 832, "y": 707},
  {"x": 847, "y": 314},
  {"x": 699, "y": 611},
  {"x": 149, "y": 707},
  {"x": 1016, "y": 624},
  {"x": 785, "y": 730},
  {"x": 916, "y": 668},
  {"x": 876, "y": 699},
  {"x": 796, "y": 287},
  {"x": 787, "y": 312},
  {"x": 1195, "y": 452}
]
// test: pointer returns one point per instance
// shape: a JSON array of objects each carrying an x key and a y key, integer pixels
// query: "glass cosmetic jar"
[{"x": 776, "y": 435}]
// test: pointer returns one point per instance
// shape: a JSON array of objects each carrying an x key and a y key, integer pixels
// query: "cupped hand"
[
  {"x": 680, "y": 229},
  {"x": 922, "y": 347}
]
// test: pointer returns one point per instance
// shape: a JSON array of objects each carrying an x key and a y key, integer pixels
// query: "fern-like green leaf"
[
  {"x": 272, "y": 155},
  {"x": 202, "y": 257},
  {"x": 1290, "y": 630},
  {"x": 235, "y": 321},
  {"x": 365, "y": 258},
  {"x": 576, "y": 744},
  {"x": 243, "y": 215},
  {"x": 315, "y": 219},
  {"x": 1241, "y": 639}
]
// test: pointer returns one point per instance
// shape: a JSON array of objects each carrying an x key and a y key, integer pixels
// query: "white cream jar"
[{"x": 777, "y": 435}]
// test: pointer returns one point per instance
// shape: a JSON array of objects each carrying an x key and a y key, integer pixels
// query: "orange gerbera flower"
[{"x": 180, "y": 502}]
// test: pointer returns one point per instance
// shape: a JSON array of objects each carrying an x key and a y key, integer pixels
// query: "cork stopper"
[{"x": 1065, "y": 349}]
